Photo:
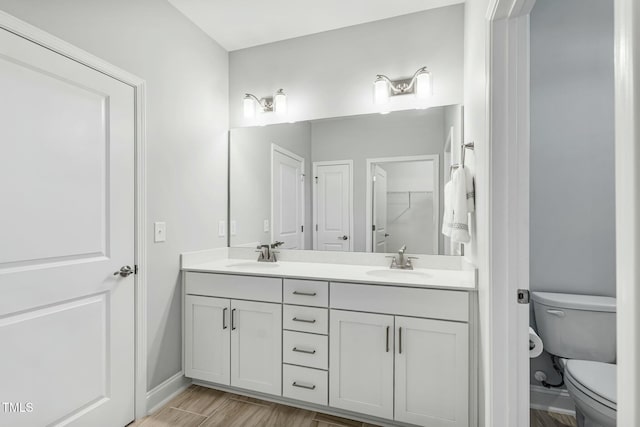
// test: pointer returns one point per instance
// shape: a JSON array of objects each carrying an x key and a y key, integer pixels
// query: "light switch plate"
[
  {"x": 159, "y": 232},
  {"x": 266, "y": 225},
  {"x": 233, "y": 227},
  {"x": 221, "y": 229}
]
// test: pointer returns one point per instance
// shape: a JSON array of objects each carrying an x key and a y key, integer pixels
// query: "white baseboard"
[
  {"x": 552, "y": 400},
  {"x": 163, "y": 393}
]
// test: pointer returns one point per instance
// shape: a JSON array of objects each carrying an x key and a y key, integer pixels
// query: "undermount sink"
[
  {"x": 395, "y": 274},
  {"x": 248, "y": 265}
]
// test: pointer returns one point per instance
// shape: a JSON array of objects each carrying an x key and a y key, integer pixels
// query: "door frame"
[
  {"x": 29, "y": 32},
  {"x": 435, "y": 158},
  {"x": 274, "y": 148},
  {"x": 627, "y": 147},
  {"x": 315, "y": 200}
]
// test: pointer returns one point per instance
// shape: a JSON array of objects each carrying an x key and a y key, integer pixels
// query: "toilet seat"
[{"x": 597, "y": 380}]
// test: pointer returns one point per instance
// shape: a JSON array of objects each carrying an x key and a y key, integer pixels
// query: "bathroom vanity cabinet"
[{"x": 374, "y": 351}]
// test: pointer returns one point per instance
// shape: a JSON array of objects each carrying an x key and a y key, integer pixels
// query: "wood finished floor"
[{"x": 203, "y": 407}]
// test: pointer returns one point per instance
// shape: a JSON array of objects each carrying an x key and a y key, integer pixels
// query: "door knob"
[
  {"x": 387, "y": 234},
  {"x": 343, "y": 238},
  {"x": 124, "y": 271}
]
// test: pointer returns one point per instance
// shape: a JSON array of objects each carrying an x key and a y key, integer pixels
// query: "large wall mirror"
[{"x": 369, "y": 183}]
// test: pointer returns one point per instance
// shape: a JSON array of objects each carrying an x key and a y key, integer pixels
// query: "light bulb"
[
  {"x": 249, "y": 107},
  {"x": 380, "y": 91},
  {"x": 280, "y": 102},
  {"x": 423, "y": 85}
]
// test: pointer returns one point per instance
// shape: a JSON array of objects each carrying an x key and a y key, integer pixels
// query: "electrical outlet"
[
  {"x": 159, "y": 232},
  {"x": 221, "y": 229},
  {"x": 233, "y": 227},
  {"x": 266, "y": 225}
]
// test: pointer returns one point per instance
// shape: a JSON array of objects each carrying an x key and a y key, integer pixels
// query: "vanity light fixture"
[
  {"x": 419, "y": 84},
  {"x": 277, "y": 104}
]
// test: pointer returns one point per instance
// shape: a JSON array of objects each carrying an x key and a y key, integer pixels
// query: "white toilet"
[{"x": 581, "y": 329}]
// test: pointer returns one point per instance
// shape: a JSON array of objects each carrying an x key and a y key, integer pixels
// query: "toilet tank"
[{"x": 576, "y": 326}]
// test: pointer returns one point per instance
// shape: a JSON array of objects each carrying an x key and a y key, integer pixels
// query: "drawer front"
[
  {"x": 309, "y": 385},
  {"x": 268, "y": 289},
  {"x": 431, "y": 303},
  {"x": 299, "y": 348},
  {"x": 306, "y": 319},
  {"x": 306, "y": 292}
]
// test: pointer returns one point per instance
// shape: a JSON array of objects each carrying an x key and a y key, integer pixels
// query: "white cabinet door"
[
  {"x": 256, "y": 346},
  {"x": 361, "y": 362},
  {"x": 207, "y": 340},
  {"x": 432, "y": 372}
]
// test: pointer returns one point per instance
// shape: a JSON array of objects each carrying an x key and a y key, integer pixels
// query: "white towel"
[{"x": 459, "y": 201}]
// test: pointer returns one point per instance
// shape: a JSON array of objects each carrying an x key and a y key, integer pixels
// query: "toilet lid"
[{"x": 597, "y": 379}]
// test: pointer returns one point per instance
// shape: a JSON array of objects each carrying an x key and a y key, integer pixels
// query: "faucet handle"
[{"x": 276, "y": 244}]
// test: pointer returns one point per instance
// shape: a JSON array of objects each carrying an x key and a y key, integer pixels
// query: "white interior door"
[
  {"x": 333, "y": 207},
  {"x": 67, "y": 146},
  {"x": 287, "y": 198},
  {"x": 380, "y": 231}
]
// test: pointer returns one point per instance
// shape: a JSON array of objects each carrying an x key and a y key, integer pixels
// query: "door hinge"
[
  {"x": 316, "y": 227},
  {"x": 316, "y": 179},
  {"x": 302, "y": 228},
  {"x": 523, "y": 296},
  {"x": 135, "y": 269},
  {"x": 373, "y": 228}
]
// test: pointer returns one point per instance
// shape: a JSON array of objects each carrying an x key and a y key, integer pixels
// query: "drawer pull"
[
  {"x": 299, "y": 350},
  {"x": 308, "y": 387},
  {"x": 306, "y": 294},
  {"x": 295, "y": 319}
]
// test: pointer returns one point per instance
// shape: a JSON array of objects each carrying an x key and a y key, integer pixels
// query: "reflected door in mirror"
[
  {"x": 380, "y": 229},
  {"x": 333, "y": 206},
  {"x": 288, "y": 198}
]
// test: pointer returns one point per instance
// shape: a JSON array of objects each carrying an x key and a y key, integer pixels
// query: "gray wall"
[
  {"x": 187, "y": 112},
  {"x": 331, "y": 74},
  {"x": 250, "y": 179},
  {"x": 409, "y": 133},
  {"x": 572, "y": 149}
]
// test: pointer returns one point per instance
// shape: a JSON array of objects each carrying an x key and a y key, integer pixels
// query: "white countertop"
[{"x": 419, "y": 277}]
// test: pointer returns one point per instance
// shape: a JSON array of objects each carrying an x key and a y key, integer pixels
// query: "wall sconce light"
[
  {"x": 277, "y": 104},
  {"x": 419, "y": 84}
]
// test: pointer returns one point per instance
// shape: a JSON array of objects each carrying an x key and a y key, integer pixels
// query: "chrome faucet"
[
  {"x": 402, "y": 262},
  {"x": 267, "y": 252}
]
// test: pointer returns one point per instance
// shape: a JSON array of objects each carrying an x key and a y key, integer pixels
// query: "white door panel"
[
  {"x": 361, "y": 362},
  {"x": 380, "y": 233},
  {"x": 333, "y": 204},
  {"x": 432, "y": 366},
  {"x": 256, "y": 346},
  {"x": 207, "y": 339},
  {"x": 67, "y": 140},
  {"x": 287, "y": 198}
]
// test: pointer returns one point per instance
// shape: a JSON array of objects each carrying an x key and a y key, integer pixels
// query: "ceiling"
[{"x": 238, "y": 24}]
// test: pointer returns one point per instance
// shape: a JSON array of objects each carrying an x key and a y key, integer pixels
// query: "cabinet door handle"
[
  {"x": 308, "y": 387},
  {"x": 306, "y": 294},
  {"x": 299, "y": 350},
  {"x": 224, "y": 318},
  {"x": 400, "y": 340},
  {"x": 233, "y": 319},
  {"x": 388, "y": 327},
  {"x": 295, "y": 319}
]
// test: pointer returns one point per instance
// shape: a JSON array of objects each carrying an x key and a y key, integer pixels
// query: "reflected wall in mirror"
[{"x": 369, "y": 183}]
